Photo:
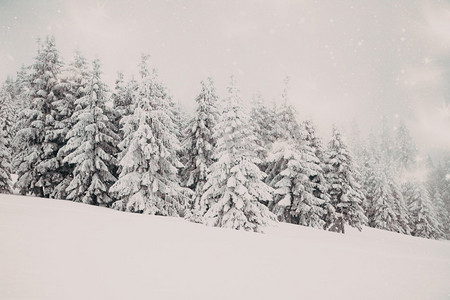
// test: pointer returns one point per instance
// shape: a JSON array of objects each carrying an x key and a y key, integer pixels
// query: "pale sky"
[{"x": 345, "y": 59}]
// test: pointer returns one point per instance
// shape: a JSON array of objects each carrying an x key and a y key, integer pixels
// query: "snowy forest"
[{"x": 65, "y": 134}]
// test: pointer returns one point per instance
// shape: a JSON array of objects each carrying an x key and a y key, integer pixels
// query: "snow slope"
[{"x": 51, "y": 249}]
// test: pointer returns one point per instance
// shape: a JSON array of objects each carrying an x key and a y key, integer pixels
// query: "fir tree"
[
  {"x": 405, "y": 151},
  {"x": 91, "y": 145},
  {"x": 149, "y": 164},
  {"x": 263, "y": 122},
  {"x": 72, "y": 86},
  {"x": 286, "y": 126},
  {"x": 37, "y": 142},
  {"x": 122, "y": 98},
  {"x": 344, "y": 191},
  {"x": 5, "y": 165},
  {"x": 381, "y": 214},
  {"x": 295, "y": 185},
  {"x": 234, "y": 188},
  {"x": 423, "y": 216},
  {"x": 200, "y": 143},
  {"x": 399, "y": 206},
  {"x": 9, "y": 109}
]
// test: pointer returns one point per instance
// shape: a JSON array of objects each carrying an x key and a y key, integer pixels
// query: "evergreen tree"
[
  {"x": 399, "y": 206},
  {"x": 381, "y": 214},
  {"x": 122, "y": 98},
  {"x": 439, "y": 191},
  {"x": 200, "y": 143},
  {"x": 91, "y": 145},
  {"x": 37, "y": 142},
  {"x": 286, "y": 126},
  {"x": 5, "y": 166},
  {"x": 149, "y": 164},
  {"x": 314, "y": 158},
  {"x": 387, "y": 144},
  {"x": 345, "y": 193},
  {"x": 295, "y": 186},
  {"x": 263, "y": 122},
  {"x": 405, "y": 151},
  {"x": 72, "y": 86},
  {"x": 234, "y": 188},
  {"x": 423, "y": 216}
]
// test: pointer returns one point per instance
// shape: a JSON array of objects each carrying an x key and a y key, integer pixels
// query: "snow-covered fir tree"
[
  {"x": 263, "y": 122},
  {"x": 91, "y": 145},
  {"x": 296, "y": 201},
  {"x": 5, "y": 165},
  {"x": 314, "y": 158},
  {"x": 200, "y": 143},
  {"x": 37, "y": 141},
  {"x": 422, "y": 213},
  {"x": 344, "y": 191},
  {"x": 286, "y": 126},
  {"x": 405, "y": 151},
  {"x": 9, "y": 109},
  {"x": 72, "y": 85},
  {"x": 295, "y": 171},
  {"x": 235, "y": 186},
  {"x": 438, "y": 185},
  {"x": 122, "y": 98},
  {"x": 380, "y": 212},
  {"x": 399, "y": 205},
  {"x": 148, "y": 181}
]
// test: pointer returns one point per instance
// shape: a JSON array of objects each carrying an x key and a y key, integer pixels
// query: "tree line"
[{"x": 66, "y": 135}]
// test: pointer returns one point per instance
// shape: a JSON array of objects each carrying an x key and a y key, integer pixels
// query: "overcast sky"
[{"x": 345, "y": 59}]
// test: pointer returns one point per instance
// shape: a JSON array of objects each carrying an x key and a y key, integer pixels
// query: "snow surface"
[{"x": 51, "y": 249}]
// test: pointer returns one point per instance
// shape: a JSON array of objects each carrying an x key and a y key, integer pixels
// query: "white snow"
[{"x": 51, "y": 249}]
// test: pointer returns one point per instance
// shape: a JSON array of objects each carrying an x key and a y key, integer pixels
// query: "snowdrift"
[{"x": 52, "y": 249}]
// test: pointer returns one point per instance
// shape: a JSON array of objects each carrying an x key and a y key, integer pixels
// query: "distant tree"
[
  {"x": 286, "y": 126},
  {"x": 123, "y": 99},
  {"x": 263, "y": 122},
  {"x": 423, "y": 216},
  {"x": 405, "y": 151},
  {"x": 234, "y": 188},
  {"x": 345, "y": 193},
  {"x": 438, "y": 185},
  {"x": 381, "y": 213}
]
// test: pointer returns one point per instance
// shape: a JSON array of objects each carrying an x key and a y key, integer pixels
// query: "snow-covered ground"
[{"x": 52, "y": 249}]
